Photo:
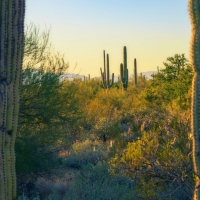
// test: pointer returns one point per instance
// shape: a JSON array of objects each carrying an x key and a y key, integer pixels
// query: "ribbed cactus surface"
[
  {"x": 194, "y": 11},
  {"x": 11, "y": 56}
]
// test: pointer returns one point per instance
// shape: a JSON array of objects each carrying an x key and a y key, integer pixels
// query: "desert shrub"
[
  {"x": 96, "y": 182},
  {"x": 89, "y": 157},
  {"x": 159, "y": 165},
  {"x": 86, "y": 145},
  {"x": 86, "y": 152}
]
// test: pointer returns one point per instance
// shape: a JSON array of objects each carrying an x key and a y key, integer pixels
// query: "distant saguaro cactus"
[
  {"x": 135, "y": 72},
  {"x": 11, "y": 56},
  {"x": 124, "y": 71},
  {"x": 194, "y": 11},
  {"x": 105, "y": 75}
]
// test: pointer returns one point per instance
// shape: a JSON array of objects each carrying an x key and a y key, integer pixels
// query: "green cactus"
[
  {"x": 124, "y": 71},
  {"x": 194, "y": 11},
  {"x": 105, "y": 75},
  {"x": 135, "y": 72},
  {"x": 11, "y": 56}
]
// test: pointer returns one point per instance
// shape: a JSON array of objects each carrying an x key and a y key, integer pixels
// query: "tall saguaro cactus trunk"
[
  {"x": 12, "y": 14},
  {"x": 194, "y": 10},
  {"x": 135, "y": 72}
]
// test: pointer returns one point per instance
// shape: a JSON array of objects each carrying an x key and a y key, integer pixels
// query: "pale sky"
[{"x": 152, "y": 30}]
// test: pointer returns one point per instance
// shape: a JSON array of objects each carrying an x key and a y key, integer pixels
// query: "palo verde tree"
[
  {"x": 47, "y": 105},
  {"x": 11, "y": 56},
  {"x": 171, "y": 84},
  {"x": 194, "y": 11}
]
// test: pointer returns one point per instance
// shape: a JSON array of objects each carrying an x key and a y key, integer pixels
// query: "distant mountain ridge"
[{"x": 72, "y": 76}]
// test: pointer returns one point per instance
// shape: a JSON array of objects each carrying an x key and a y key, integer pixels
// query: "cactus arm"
[{"x": 194, "y": 11}]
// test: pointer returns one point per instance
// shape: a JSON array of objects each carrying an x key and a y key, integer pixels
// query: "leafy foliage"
[
  {"x": 132, "y": 144},
  {"x": 171, "y": 83}
]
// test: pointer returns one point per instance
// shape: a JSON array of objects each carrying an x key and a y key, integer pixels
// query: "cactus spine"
[
  {"x": 124, "y": 71},
  {"x": 135, "y": 72},
  {"x": 11, "y": 55},
  {"x": 194, "y": 11},
  {"x": 105, "y": 75}
]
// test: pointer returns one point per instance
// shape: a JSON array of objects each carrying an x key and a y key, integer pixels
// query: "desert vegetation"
[{"x": 80, "y": 140}]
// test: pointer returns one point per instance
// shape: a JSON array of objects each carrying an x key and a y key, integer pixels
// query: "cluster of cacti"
[
  {"x": 11, "y": 56},
  {"x": 105, "y": 75},
  {"x": 124, "y": 71},
  {"x": 86, "y": 78},
  {"x": 194, "y": 10}
]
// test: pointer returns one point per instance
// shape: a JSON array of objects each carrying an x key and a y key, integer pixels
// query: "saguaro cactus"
[
  {"x": 194, "y": 11},
  {"x": 105, "y": 76},
  {"x": 124, "y": 71},
  {"x": 135, "y": 72},
  {"x": 11, "y": 55}
]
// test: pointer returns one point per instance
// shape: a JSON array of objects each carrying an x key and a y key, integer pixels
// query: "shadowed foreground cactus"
[
  {"x": 105, "y": 76},
  {"x": 124, "y": 71},
  {"x": 194, "y": 11},
  {"x": 11, "y": 55}
]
